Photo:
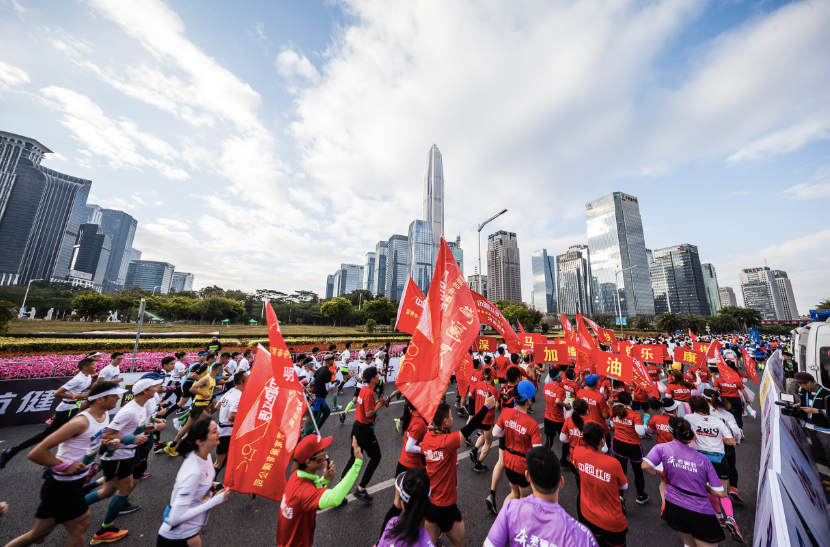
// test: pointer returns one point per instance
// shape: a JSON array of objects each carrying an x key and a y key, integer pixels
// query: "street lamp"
[
  {"x": 480, "y": 227},
  {"x": 154, "y": 290},
  {"x": 619, "y": 310},
  {"x": 27, "y": 291}
]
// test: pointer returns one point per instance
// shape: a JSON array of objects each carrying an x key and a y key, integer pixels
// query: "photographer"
[
  {"x": 817, "y": 425},
  {"x": 789, "y": 366}
]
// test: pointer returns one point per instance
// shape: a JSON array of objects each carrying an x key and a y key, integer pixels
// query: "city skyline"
[{"x": 295, "y": 162}]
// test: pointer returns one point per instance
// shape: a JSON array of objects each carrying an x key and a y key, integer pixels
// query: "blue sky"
[{"x": 261, "y": 144}]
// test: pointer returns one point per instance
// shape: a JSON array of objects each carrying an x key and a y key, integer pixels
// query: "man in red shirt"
[
  {"x": 731, "y": 391},
  {"x": 440, "y": 450},
  {"x": 306, "y": 493},
  {"x": 364, "y": 430},
  {"x": 555, "y": 406},
  {"x": 598, "y": 410},
  {"x": 501, "y": 362},
  {"x": 484, "y": 388},
  {"x": 520, "y": 433}
]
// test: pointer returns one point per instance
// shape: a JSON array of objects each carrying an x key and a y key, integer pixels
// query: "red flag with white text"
[
  {"x": 642, "y": 379},
  {"x": 594, "y": 327},
  {"x": 567, "y": 328},
  {"x": 692, "y": 335},
  {"x": 489, "y": 314},
  {"x": 749, "y": 365},
  {"x": 410, "y": 308},
  {"x": 463, "y": 376}
]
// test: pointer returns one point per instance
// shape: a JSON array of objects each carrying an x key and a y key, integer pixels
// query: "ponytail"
[
  {"x": 408, "y": 528},
  {"x": 699, "y": 404},
  {"x": 716, "y": 401},
  {"x": 624, "y": 398},
  {"x": 681, "y": 429},
  {"x": 580, "y": 408},
  {"x": 677, "y": 378},
  {"x": 198, "y": 432},
  {"x": 593, "y": 435},
  {"x": 407, "y": 415}
]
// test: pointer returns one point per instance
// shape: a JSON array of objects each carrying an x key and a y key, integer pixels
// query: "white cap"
[
  {"x": 113, "y": 391},
  {"x": 143, "y": 384}
]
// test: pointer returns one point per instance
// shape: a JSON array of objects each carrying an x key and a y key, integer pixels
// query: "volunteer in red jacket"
[
  {"x": 306, "y": 493},
  {"x": 601, "y": 479},
  {"x": 484, "y": 388},
  {"x": 555, "y": 406},
  {"x": 521, "y": 433},
  {"x": 598, "y": 409},
  {"x": 440, "y": 450},
  {"x": 628, "y": 428}
]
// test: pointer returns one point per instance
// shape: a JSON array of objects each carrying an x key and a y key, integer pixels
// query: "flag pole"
[{"x": 311, "y": 414}]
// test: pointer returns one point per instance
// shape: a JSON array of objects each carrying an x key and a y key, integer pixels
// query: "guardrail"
[{"x": 53, "y": 365}]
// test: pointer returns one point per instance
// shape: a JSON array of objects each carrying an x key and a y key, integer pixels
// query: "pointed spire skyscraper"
[{"x": 434, "y": 194}]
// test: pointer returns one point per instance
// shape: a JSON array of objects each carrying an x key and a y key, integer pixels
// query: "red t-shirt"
[
  {"x": 501, "y": 362},
  {"x": 705, "y": 375},
  {"x": 600, "y": 477},
  {"x": 679, "y": 392},
  {"x": 624, "y": 427},
  {"x": 596, "y": 406},
  {"x": 484, "y": 390},
  {"x": 613, "y": 392},
  {"x": 688, "y": 378},
  {"x": 554, "y": 412},
  {"x": 417, "y": 430},
  {"x": 473, "y": 380},
  {"x": 441, "y": 454},
  {"x": 728, "y": 389},
  {"x": 573, "y": 432},
  {"x": 640, "y": 394},
  {"x": 298, "y": 512},
  {"x": 521, "y": 432},
  {"x": 365, "y": 402},
  {"x": 660, "y": 424},
  {"x": 653, "y": 372},
  {"x": 571, "y": 388}
]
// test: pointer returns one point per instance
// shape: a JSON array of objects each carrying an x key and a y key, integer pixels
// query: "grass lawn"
[{"x": 27, "y": 327}]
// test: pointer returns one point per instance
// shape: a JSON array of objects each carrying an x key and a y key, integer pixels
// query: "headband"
[
  {"x": 113, "y": 391},
  {"x": 405, "y": 497}
]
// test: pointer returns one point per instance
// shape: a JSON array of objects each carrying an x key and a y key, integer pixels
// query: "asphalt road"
[{"x": 242, "y": 521}]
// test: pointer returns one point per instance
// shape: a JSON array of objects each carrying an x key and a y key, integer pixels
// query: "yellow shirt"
[{"x": 210, "y": 388}]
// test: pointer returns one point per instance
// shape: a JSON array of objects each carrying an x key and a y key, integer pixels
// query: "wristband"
[
  {"x": 487, "y": 406},
  {"x": 128, "y": 439},
  {"x": 61, "y": 467}
]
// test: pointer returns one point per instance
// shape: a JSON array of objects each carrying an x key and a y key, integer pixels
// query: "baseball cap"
[
  {"x": 677, "y": 366},
  {"x": 143, "y": 384},
  {"x": 328, "y": 357},
  {"x": 153, "y": 376},
  {"x": 591, "y": 379},
  {"x": 803, "y": 377},
  {"x": 525, "y": 390},
  {"x": 309, "y": 446}
]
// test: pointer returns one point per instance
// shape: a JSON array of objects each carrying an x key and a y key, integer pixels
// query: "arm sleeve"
[
  {"x": 335, "y": 496},
  {"x": 498, "y": 431},
  {"x": 640, "y": 429},
  {"x": 475, "y": 423},
  {"x": 412, "y": 446},
  {"x": 181, "y": 513}
]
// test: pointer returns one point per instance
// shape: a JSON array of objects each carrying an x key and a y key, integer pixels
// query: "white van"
[{"x": 811, "y": 349}]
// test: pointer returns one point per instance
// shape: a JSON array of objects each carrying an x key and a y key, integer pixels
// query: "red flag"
[
  {"x": 433, "y": 356},
  {"x": 725, "y": 371},
  {"x": 649, "y": 353},
  {"x": 749, "y": 365},
  {"x": 411, "y": 307},
  {"x": 521, "y": 328},
  {"x": 268, "y": 421},
  {"x": 642, "y": 380},
  {"x": 586, "y": 338},
  {"x": 551, "y": 353},
  {"x": 692, "y": 335},
  {"x": 713, "y": 349},
  {"x": 624, "y": 347},
  {"x": 486, "y": 343},
  {"x": 596, "y": 328},
  {"x": 689, "y": 356},
  {"x": 463, "y": 376},
  {"x": 489, "y": 314},
  {"x": 606, "y": 336},
  {"x": 567, "y": 328},
  {"x": 530, "y": 339},
  {"x": 615, "y": 365},
  {"x": 701, "y": 346}
]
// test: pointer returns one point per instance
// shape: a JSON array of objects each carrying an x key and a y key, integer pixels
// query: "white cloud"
[
  {"x": 290, "y": 63},
  {"x": 738, "y": 193},
  {"x": 11, "y": 76},
  {"x": 787, "y": 140},
  {"x": 806, "y": 190},
  {"x": 260, "y": 30}
]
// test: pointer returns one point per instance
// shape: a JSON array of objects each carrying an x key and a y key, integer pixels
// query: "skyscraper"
[
  {"x": 760, "y": 292},
  {"x": 89, "y": 257},
  {"x": 677, "y": 281},
  {"x": 121, "y": 228},
  {"x": 503, "y": 267},
  {"x": 434, "y": 195},
  {"x": 785, "y": 291},
  {"x": 182, "y": 281},
  {"x": 419, "y": 254},
  {"x": 150, "y": 275},
  {"x": 615, "y": 237},
  {"x": 347, "y": 279},
  {"x": 573, "y": 276},
  {"x": 710, "y": 279},
  {"x": 478, "y": 283},
  {"x": 369, "y": 272},
  {"x": 727, "y": 297},
  {"x": 544, "y": 281},
  {"x": 329, "y": 286},
  {"x": 93, "y": 214},
  {"x": 395, "y": 266},
  {"x": 379, "y": 275},
  {"x": 12, "y": 149},
  {"x": 457, "y": 252}
]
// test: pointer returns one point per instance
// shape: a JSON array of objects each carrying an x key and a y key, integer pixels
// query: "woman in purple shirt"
[
  {"x": 412, "y": 497},
  {"x": 690, "y": 478}
]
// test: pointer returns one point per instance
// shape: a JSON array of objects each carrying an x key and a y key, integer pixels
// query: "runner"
[
  {"x": 363, "y": 431},
  {"x": 227, "y": 414},
  {"x": 721, "y": 408},
  {"x": 628, "y": 428},
  {"x": 500, "y": 364},
  {"x": 732, "y": 391},
  {"x": 571, "y": 438},
  {"x": 112, "y": 372},
  {"x": 468, "y": 404},
  {"x": 412, "y": 499},
  {"x": 323, "y": 384},
  {"x": 440, "y": 449},
  {"x": 597, "y": 406},
  {"x": 686, "y": 508},
  {"x": 680, "y": 390},
  {"x": 194, "y": 492},
  {"x": 203, "y": 391},
  {"x": 306, "y": 493},
  {"x": 195, "y": 371},
  {"x": 520, "y": 433},
  {"x": 555, "y": 405},
  {"x": 61, "y": 497},
  {"x": 539, "y": 519},
  {"x": 365, "y": 363},
  {"x": 484, "y": 388},
  {"x": 601, "y": 481},
  {"x": 505, "y": 400},
  {"x": 70, "y": 394}
]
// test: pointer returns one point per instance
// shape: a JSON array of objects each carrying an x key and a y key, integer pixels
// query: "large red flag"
[
  {"x": 551, "y": 353},
  {"x": 486, "y": 343},
  {"x": 433, "y": 356},
  {"x": 584, "y": 333},
  {"x": 268, "y": 421},
  {"x": 594, "y": 327},
  {"x": 649, "y": 353},
  {"x": 689, "y": 356},
  {"x": 749, "y": 365},
  {"x": 532, "y": 338},
  {"x": 702, "y": 346},
  {"x": 606, "y": 336},
  {"x": 489, "y": 314},
  {"x": 615, "y": 365},
  {"x": 624, "y": 347},
  {"x": 641, "y": 379},
  {"x": 692, "y": 335},
  {"x": 725, "y": 371},
  {"x": 410, "y": 308},
  {"x": 521, "y": 328},
  {"x": 567, "y": 328}
]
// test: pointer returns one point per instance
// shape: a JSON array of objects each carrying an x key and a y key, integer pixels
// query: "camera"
[{"x": 787, "y": 401}]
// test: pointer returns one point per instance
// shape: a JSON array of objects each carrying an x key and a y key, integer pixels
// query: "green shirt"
[{"x": 336, "y": 495}]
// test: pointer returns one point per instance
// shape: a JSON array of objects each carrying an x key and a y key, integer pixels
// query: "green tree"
[
  {"x": 92, "y": 303},
  {"x": 217, "y": 307},
  {"x": 370, "y": 325},
  {"x": 8, "y": 312},
  {"x": 824, "y": 304},
  {"x": 746, "y": 317},
  {"x": 381, "y": 310},
  {"x": 359, "y": 295},
  {"x": 213, "y": 290},
  {"x": 177, "y": 306},
  {"x": 641, "y": 323},
  {"x": 668, "y": 322},
  {"x": 694, "y": 322},
  {"x": 604, "y": 320},
  {"x": 336, "y": 309}
]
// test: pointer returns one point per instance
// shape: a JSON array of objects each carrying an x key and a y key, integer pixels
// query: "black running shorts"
[
  {"x": 61, "y": 500},
  {"x": 117, "y": 469},
  {"x": 701, "y": 526},
  {"x": 224, "y": 445},
  {"x": 514, "y": 477},
  {"x": 444, "y": 517}
]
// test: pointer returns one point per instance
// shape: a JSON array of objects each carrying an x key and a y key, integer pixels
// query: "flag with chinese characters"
[
  {"x": 410, "y": 308},
  {"x": 551, "y": 353},
  {"x": 623, "y": 347},
  {"x": 463, "y": 376},
  {"x": 692, "y": 335},
  {"x": 689, "y": 356},
  {"x": 702, "y": 346},
  {"x": 584, "y": 346},
  {"x": 567, "y": 328},
  {"x": 726, "y": 372},
  {"x": 268, "y": 422},
  {"x": 749, "y": 365},
  {"x": 433, "y": 356},
  {"x": 649, "y": 353},
  {"x": 594, "y": 327},
  {"x": 486, "y": 343},
  {"x": 606, "y": 336},
  {"x": 642, "y": 380},
  {"x": 529, "y": 339},
  {"x": 489, "y": 314},
  {"x": 615, "y": 365}
]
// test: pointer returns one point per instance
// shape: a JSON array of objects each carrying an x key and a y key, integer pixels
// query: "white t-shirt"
[
  {"x": 192, "y": 487},
  {"x": 344, "y": 358},
  {"x": 109, "y": 373},
  {"x": 232, "y": 367},
  {"x": 244, "y": 365},
  {"x": 177, "y": 374},
  {"x": 77, "y": 385},
  {"x": 729, "y": 355},
  {"x": 126, "y": 422},
  {"x": 362, "y": 354},
  {"x": 709, "y": 432},
  {"x": 230, "y": 403}
]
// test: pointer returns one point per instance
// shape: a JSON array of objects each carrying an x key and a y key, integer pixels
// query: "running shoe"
[
  {"x": 129, "y": 507},
  {"x": 108, "y": 535},
  {"x": 343, "y": 418},
  {"x": 181, "y": 410},
  {"x": 344, "y": 503},
  {"x": 5, "y": 457},
  {"x": 144, "y": 476},
  {"x": 474, "y": 454},
  {"x": 721, "y": 519},
  {"x": 397, "y": 425},
  {"x": 732, "y": 526},
  {"x": 398, "y": 396},
  {"x": 338, "y": 408},
  {"x": 622, "y": 502},
  {"x": 387, "y": 403},
  {"x": 662, "y": 508},
  {"x": 363, "y": 495},
  {"x": 158, "y": 448},
  {"x": 531, "y": 411},
  {"x": 642, "y": 500},
  {"x": 171, "y": 451},
  {"x": 463, "y": 412},
  {"x": 49, "y": 421},
  {"x": 735, "y": 495},
  {"x": 491, "y": 504},
  {"x": 468, "y": 441},
  {"x": 480, "y": 467}
]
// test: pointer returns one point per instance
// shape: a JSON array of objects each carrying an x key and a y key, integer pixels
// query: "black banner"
[{"x": 29, "y": 401}]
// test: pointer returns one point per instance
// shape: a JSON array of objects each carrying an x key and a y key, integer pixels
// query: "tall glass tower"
[
  {"x": 434, "y": 195},
  {"x": 544, "y": 281},
  {"x": 379, "y": 274},
  {"x": 615, "y": 237},
  {"x": 395, "y": 266},
  {"x": 573, "y": 281},
  {"x": 677, "y": 281},
  {"x": 419, "y": 254}
]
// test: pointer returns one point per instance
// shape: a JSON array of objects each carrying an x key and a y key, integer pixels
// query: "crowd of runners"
[{"x": 594, "y": 427}]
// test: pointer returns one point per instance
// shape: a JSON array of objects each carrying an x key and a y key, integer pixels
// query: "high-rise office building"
[
  {"x": 135, "y": 254},
  {"x": 544, "y": 282},
  {"x": 457, "y": 252},
  {"x": 103, "y": 260},
  {"x": 478, "y": 283},
  {"x": 347, "y": 279},
  {"x": 649, "y": 255},
  {"x": 574, "y": 286},
  {"x": 87, "y": 249},
  {"x": 329, "y": 286},
  {"x": 434, "y": 195},
  {"x": 503, "y": 267},
  {"x": 12, "y": 149},
  {"x": 395, "y": 266},
  {"x": 710, "y": 280},
  {"x": 150, "y": 275},
  {"x": 93, "y": 214},
  {"x": 677, "y": 281},
  {"x": 121, "y": 228},
  {"x": 369, "y": 272},
  {"x": 785, "y": 291},
  {"x": 182, "y": 281},
  {"x": 760, "y": 292},
  {"x": 420, "y": 259},
  {"x": 615, "y": 237},
  {"x": 379, "y": 275},
  {"x": 727, "y": 297}
]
